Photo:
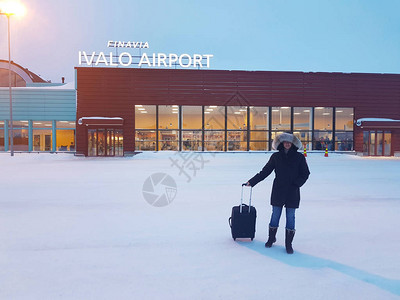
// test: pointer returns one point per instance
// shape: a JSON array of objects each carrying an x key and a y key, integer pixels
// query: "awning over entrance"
[
  {"x": 381, "y": 123},
  {"x": 101, "y": 121}
]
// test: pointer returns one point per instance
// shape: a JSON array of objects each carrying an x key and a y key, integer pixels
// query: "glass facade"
[
  {"x": 192, "y": 124},
  {"x": 259, "y": 125},
  {"x": 240, "y": 128},
  {"x": 323, "y": 128},
  {"x": 377, "y": 143},
  {"x": 281, "y": 118},
  {"x": 303, "y": 125},
  {"x": 237, "y": 128},
  {"x": 21, "y": 135},
  {"x": 42, "y": 135},
  {"x": 145, "y": 125},
  {"x": 344, "y": 129},
  {"x": 38, "y": 136},
  {"x": 105, "y": 142},
  {"x": 168, "y": 118},
  {"x": 214, "y": 128},
  {"x": 65, "y": 136}
]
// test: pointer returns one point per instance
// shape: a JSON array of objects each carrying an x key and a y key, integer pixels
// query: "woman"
[{"x": 291, "y": 172}]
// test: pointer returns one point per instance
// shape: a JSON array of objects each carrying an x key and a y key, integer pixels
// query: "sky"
[{"x": 360, "y": 36}]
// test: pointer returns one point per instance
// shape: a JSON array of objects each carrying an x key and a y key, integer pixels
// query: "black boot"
[
  {"x": 289, "y": 239},
  {"x": 271, "y": 236}
]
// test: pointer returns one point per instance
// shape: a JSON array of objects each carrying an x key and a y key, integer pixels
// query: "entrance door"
[
  {"x": 105, "y": 142},
  {"x": 377, "y": 143}
]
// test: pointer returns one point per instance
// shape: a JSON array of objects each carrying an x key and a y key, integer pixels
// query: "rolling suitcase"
[{"x": 243, "y": 219}]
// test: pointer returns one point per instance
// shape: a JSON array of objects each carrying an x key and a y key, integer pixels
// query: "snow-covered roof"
[
  {"x": 80, "y": 121},
  {"x": 359, "y": 121},
  {"x": 66, "y": 86}
]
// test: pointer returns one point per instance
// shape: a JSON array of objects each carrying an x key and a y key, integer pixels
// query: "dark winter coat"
[{"x": 291, "y": 172}]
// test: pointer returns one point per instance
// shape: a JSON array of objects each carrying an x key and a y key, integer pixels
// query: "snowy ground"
[{"x": 80, "y": 228}]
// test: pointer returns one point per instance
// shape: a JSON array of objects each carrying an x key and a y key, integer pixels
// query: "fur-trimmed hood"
[{"x": 286, "y": 137}]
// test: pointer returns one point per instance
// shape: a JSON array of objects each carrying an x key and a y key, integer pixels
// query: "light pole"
[{"x": 8, "y": 9}]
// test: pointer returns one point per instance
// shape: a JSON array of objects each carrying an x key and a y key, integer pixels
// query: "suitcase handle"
[
  {"x": 230, "y": 222},
  {"x": 241, "y": 199}
]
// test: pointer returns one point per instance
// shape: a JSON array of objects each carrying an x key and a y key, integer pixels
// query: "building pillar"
[
  {"x": 6, "y": 136},
  {"x": 54, "y": 134},
  {"x": 30, "y": 136}
]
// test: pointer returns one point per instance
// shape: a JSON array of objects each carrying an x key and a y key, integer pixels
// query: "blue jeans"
[{"x": 276, "y": 215}]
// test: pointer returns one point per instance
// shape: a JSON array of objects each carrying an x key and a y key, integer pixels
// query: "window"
[
  {"x": 192, "y": 122},
  {"x": 237, "y": 117},
  {"x": 344, "y": 141},
  {"x": 302, "y": 118},
  {"x": 214, "y": 140},
  {"x": 302, "y": 125},
  {"x": 192, "y": 140},
  {"x": 21, "y": 135},
  {"x": 237, "y": 128},
  {"x": 281, "y": 118},
  {"x": 168, "y": 117},
  {"x": 214, "y": 117},
  {"x": 16, "y": 80},
  {"x": 145, "y": 125},
  {"x": 259, "y": 117},
  {"x": 344, "y": 129},
  {"x": 42, "y": 134},
  {"x": 237, "y": 140},
  {"x": 344, "y": 119},
  {"x": 168, "y": 140},
  {"x": 65, "y": 135},
  {"x": 323, "y": 140},
  {"x": 305, "y": 137},
  {"x": 145, "y": 140},
  {"x": 145, "y": 116},
  {"x": 258, "y": 140},
  {"x": 192, "y": 117},
  {"x": 323, "y": 118},
  {"x": 214, "y": 121}
]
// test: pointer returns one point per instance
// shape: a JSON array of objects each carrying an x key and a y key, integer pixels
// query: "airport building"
[
  {"x": 124, "y": 110},
  {"x": 113, "y": 111},
  {"x": 44, "y": 113}
]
